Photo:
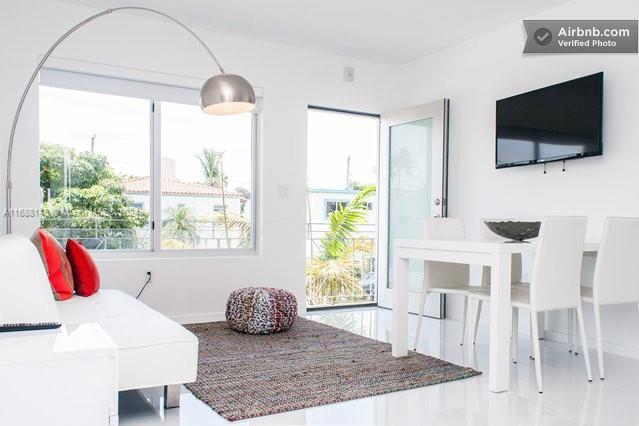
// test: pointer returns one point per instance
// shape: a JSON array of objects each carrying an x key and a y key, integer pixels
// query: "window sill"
[{"x": 124, "y": 255}]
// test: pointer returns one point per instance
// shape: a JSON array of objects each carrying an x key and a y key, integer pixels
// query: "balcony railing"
[
  {"x": 350, "y": 279},
  {"x": 105, "y": 234}
]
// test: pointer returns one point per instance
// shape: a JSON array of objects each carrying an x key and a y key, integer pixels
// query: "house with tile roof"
[{"x": 203, "y": 200}]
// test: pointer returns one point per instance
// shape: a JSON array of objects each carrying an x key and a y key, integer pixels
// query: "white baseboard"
[
  {"x": 198, "y": 318},
  {"x": 613, "y": 348}
]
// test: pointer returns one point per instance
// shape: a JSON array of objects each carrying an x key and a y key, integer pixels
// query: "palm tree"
[
  {"x": 343, "y": 223},
  {"x": 180, "y": 225},
  {"x": 403, "y": 163},
  {"x": 336, "y": 270},
  {"x": 239, "y": 222},
  {"x": 210, "y": 161}
]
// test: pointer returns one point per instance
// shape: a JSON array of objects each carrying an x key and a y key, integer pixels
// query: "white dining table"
[{"x": 496, "y": 255}]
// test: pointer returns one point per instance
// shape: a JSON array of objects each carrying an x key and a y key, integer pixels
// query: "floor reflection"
[{"x": 568, "y": 398}]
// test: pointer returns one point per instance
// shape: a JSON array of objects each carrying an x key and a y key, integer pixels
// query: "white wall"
[
  {"x": 492, "y": 66},
  {"x": 473, "y": 74},
  {"x": 138, "y": 47}
]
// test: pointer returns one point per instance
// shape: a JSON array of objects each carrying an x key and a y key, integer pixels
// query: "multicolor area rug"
[{"x": 241, "y": 376}]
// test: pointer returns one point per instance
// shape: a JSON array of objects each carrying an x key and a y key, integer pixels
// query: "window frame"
[{"x": 156, "y": 93}]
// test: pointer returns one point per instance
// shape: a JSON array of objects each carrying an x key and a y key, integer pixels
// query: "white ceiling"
[{"x": 386, "y": 31}]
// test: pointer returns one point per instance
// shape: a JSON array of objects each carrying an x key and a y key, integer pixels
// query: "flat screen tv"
[{"x": 556, "y": 123}]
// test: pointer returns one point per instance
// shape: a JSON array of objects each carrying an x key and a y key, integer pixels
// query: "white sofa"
[{"x": 153, "y": 349}]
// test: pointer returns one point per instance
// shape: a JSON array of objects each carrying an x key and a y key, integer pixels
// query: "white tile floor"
[{"x": 568, "y": 398}]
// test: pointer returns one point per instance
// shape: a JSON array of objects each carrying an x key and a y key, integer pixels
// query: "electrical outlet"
[{"x": 147, "y": 281}]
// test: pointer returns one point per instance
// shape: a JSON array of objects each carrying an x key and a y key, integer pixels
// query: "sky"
[
  {"x": 122, "y": 127},
  {"x": 332, "y": 138}
]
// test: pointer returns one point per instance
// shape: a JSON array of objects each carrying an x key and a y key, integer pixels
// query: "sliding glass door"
[{"x": 413, "y": 152}]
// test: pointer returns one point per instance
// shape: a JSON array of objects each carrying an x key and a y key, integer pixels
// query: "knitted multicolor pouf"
[{"x": 261, "y": 310}]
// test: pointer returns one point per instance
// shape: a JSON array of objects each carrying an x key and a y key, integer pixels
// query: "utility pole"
[
  {"x": 348, "y": 172},
  {"x": 226, "y": 225},
  {"x": 93, "y": 143}
]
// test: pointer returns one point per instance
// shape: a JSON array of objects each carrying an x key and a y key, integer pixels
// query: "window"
[
  {"x": 127, "y": 165},
  {"x": 91, "y": 143},
  {"x": 209, "y": 178},
  {"x": 331, "y": 206}
]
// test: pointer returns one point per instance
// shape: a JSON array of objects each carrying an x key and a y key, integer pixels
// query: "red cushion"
[
  {"x": 56, "y": 264},
  {"x": 86, "y": 277}
]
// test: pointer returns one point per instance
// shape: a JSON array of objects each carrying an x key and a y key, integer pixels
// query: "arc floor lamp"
[{"x": 221, "y": 94}]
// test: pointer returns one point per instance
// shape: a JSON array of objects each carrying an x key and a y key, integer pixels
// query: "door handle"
[{"x": 438, "y": 202}]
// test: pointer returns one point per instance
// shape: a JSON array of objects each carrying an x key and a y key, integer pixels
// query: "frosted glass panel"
[{"x": 410, "y": 189}]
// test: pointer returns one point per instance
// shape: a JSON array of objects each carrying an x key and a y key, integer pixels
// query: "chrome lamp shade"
[{"x": 226, "y": 94}]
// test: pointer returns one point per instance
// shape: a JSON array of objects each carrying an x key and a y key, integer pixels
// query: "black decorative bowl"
[{"x": 516, "y": 232}]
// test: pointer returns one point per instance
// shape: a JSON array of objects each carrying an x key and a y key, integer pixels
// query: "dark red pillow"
[
  {"x": 86, "y": 277},
  {"x": 55, "y": 263}
]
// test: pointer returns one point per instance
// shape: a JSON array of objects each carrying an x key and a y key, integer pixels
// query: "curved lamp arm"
[{"x": 9, "y": 212}]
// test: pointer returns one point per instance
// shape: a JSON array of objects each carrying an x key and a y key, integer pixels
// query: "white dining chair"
[
  {"x": 554, "y": 284},
  {"x": 515, "y": 271},
  {"x": 440, "y": 277},
  {"x": 615, "y": 275}
]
